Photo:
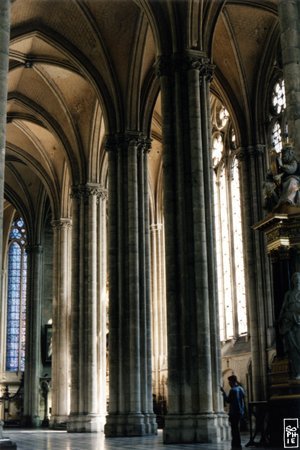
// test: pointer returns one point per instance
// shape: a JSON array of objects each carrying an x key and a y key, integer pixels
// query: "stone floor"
[{"x": 60, "y": 440}]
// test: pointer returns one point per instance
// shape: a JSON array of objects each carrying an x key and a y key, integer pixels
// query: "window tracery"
[
  {"x": 278, "y": 129},
  {"x": 228, "y": 226}
]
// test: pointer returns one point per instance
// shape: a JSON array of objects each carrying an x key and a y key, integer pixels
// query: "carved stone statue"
[
  {"x": 289, "y": 325},
  {"x": 271, "y": 192},
  {"x": 283, "y": 181}
]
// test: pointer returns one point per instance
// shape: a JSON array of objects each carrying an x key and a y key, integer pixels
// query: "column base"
[
  {"x": 31, "y": 422},
  {"x": 223, "y": 424},
  {"x": 58, "y": 422},
  {"x": 150, "y": 423},
  {"x": 7, "y": 444},
  {"x": 85, "y": 423},
  {"x": 191, "y": 428},
  {"x": 120, "y": 425}
]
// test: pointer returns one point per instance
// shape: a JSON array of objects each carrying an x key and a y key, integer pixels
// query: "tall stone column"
[
  {"x": 130, "y": 389},
  {"x": 103, "y": 300},
  {"x": 206, "y": 73},
  {"x": 159, "y": 318},
  {"x": 61, "y": 323},
  {"x": 33, "y": 337},
  {"x": 289, "y": 18},
  {"x": 193, "y": 350},
  {"x": 87, "y": 413},
  {"x": 3, "y": 319},
  {"x": 4, "y": 60},
  {"x": 258, "y": 288}
]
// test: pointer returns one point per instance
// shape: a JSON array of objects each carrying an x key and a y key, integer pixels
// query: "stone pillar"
[
  {"x": 33, "y": 337},
  {"x": 289, "y": 18},
  {"x": 206, "y": 72},
  {"x": 130, "y": 390},
  {"x": 87, "y": 414},
  {"x": 60, "y": 364},
  {"x": 3, "y": 323},
  {"x": 4, "y": 60},
  {"x": 193, "y": 351},
  {"x": 159, "y": 314},
  {"x": 103, "y": 300},
  {"x": 145, "y": 288},
  {"x": 4, "y": 64},
  {"x": 258, "y": 289}
]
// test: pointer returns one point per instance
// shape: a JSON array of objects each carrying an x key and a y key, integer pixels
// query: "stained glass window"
[
  {"x": 240, "y": 289},
  {"x": 279, "y": 129},
  {"x": 16, "y": 297},
  {"x": 276, "y": 137},
  {"x": 278, "y": 97}
]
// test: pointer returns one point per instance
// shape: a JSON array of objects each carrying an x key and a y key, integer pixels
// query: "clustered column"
[
  {"x": 159, "y": 319},
  {"x": 4, "y": 61},
  {"x": 289, "y": 18},
  {"x": 33, "y": 337},
  {"x": 194, "y": 406},
  {"x": 87, "y": 411},
  {"x": 130, "y": 393},
  {"x": 102, "y": 300},
  {"x": 61, "y": 323},
  {"x": 206, "y": 74}
]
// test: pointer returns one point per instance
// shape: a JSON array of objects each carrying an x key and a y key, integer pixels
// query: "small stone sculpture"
[
  {"x": 282, "y": 185},
  {"x": 289, "y": 325}
]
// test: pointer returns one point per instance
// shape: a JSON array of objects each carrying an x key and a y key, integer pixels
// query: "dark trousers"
[{"x": 235, "y": 432}]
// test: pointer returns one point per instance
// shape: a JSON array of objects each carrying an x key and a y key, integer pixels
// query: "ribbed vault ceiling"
[{"x": 82, "y": 68}]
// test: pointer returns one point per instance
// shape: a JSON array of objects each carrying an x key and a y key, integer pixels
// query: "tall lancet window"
[
  {"x": 16, "y": 297},
  {"x": 228, "y": 226}
]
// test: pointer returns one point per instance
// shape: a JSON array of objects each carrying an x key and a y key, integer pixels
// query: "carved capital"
[
  {"x": 147, "y": 145},
  {"x": 163, "y": 66},
  {"x": 61, "y": 224},
  {"x": 144, "y": 144},
  {"x": 192, "y": 60},
  {"x": 129, "y": 139},
  {"x": 84, "y": 191},
  {"x": 110, "y": 143},
  {"x": 241, "y": 154},
  {"x": 103, "y": 194},
  {"x": 186, "y": 62},
  {"x": 133, "y": 139},
  {"x": 207, "y": 70},
  {"x": 260, "y": 149},
  {"x": 256, "y": 151}
]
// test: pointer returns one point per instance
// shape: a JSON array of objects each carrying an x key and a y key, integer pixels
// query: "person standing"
[{"x": 236, "y": 400}]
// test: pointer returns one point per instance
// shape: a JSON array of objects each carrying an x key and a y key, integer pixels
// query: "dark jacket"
[{"x": 235, "y": 398}]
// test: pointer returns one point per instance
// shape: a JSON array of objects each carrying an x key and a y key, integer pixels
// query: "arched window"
[
  {"x": 278, "y": 124},
  {"x": 228, "y": 226},
  {"x": 16, "y": 297}
]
